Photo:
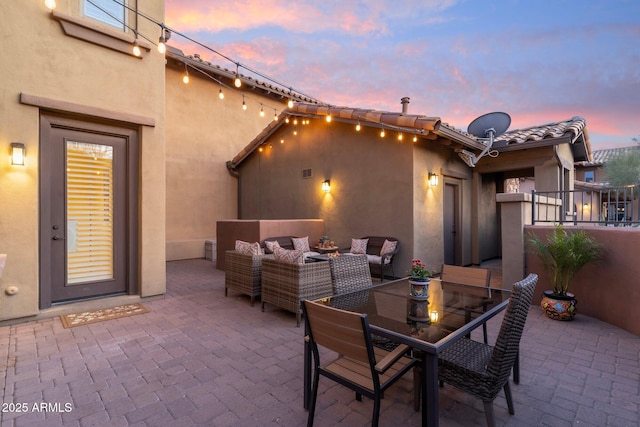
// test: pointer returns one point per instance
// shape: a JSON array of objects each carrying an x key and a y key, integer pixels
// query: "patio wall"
[{"x": 607, "y": 290}]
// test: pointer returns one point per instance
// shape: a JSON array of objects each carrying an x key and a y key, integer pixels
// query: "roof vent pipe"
[{"x": 405, "y": 104}]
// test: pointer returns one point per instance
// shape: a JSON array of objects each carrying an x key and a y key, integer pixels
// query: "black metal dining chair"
[
  {"x": 358, "y": 365},
  {"x": 483, "y": 370}
]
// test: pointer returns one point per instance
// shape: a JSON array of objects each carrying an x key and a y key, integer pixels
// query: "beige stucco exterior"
[
  {"x": 70, "y": 75},
  {"x": 203, "y": 132},
  {"x": 378, "y": 186}
]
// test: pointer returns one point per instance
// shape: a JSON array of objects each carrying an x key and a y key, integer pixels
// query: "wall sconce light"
[
  {"x": 433, "y": 316},
  {"x": 18, "y": 152},
  {"x": 433, "y": 179},
  {"x": 326, "y": 186}
]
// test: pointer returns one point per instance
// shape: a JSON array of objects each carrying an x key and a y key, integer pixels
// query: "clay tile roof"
[
  {"x": 572, "y": 128},
  {"x": 384, "y": 117},
  {"x": 600, "y": 157}
]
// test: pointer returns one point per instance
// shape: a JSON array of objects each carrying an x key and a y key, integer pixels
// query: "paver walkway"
[{"x": 199, "y": 358}]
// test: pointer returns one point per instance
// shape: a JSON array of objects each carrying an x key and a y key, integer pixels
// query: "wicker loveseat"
[
  {"x": 379, "y": 262},
  {"x": 285, "y": 242},
  {"x": 285, "y": 285},
  {"x": 243, "y": 273}
]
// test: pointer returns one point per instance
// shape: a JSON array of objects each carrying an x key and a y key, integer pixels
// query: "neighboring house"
[
  {"x": 380, "y": 185},
  {"x": 599, "y": 203},
  {"x": 85, "y": 106}
]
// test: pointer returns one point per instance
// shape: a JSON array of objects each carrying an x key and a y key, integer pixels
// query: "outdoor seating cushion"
[
  {"x": 246, "y": 248},
  {"x": 288, "y": 256}
]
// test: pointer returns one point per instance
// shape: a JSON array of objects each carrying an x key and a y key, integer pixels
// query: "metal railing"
[{"x": 612, "y": 207}]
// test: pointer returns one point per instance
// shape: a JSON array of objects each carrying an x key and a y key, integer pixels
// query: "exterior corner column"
[{"x": 515, "y": 214}]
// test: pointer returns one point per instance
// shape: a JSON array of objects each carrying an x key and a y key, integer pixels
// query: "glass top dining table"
[{"x": 429, "y": 324}]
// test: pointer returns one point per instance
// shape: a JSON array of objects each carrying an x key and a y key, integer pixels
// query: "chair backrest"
[
  {"x": 376, "y": 242},
  {"x": 350, "y": 273},
  {"x": 341, "y": 331},
  {"x": 507, "y": 344},
  {"x": 467, "y": 275}
]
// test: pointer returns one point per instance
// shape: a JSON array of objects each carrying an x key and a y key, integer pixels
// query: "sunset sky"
[{"x": 539, "y": 61}]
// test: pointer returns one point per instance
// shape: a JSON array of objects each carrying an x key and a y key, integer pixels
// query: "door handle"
[{"x": 56, "y": 237}]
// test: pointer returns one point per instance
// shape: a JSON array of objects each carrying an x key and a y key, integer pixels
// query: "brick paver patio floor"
[{"x": 199, "y": 358}]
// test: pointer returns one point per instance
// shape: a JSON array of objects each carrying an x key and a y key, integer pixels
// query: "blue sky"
[{"x": 540, "y": 61}]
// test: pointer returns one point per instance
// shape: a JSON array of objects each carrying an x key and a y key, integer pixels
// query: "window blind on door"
[{"x": 89, "y": 212}]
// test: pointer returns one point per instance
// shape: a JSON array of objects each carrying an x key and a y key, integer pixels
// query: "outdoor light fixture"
[
  {"x": 136, "y": 47},
  {"x": 162, "y": 40},
  {"x": 17, "y": 153},
  {"x": 50, "y": 4},
  {"x": 237, "y": 82},
  {"x": 433, "y": 179},
  {"x": 326, "y": 185}
]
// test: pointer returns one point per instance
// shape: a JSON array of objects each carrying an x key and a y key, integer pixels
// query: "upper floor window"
[
  {"x": 589, "y": 176},
  {"x": 107, "y": 11}
]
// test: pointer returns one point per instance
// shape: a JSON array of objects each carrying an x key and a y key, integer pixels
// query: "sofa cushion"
[
  {"x": 301, "y": 243},
  {"x": 270, "y": 244},
  {"x": 388, "y": 246},
  {"x": 376, "y": 259},
  {"x": 246, "y": 248},
  {"x": 359, "y": 246},
  {"x": 288, "y": 257}
]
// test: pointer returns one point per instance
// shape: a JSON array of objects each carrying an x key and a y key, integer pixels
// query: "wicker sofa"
[
  {"x": 285, "y": 285},
  {"x": 243, "y": 273},
  {"x": 378, "y": 262}
]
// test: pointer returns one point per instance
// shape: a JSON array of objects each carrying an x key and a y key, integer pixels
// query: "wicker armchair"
[
  {"x": 285, "y": 285},
  {"x": 483, "y": 370},
  {"x": 243, "y": 273},
  {"x": 379, "y": 262},
  {"x": 350, "y": 273}
]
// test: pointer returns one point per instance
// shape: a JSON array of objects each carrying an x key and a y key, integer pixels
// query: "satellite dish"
[{"x": 487, "y": 126}]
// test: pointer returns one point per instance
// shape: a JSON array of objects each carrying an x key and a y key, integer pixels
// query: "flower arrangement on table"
[
  {"x": 419, "y": 278},
  {"x": 419, "y": 271}
]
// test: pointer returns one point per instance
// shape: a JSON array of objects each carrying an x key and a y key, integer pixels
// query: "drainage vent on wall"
[{"x": 306, "y": 173}]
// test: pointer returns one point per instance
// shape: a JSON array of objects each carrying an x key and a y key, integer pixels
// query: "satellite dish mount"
[{"x": 486, "y": 128}]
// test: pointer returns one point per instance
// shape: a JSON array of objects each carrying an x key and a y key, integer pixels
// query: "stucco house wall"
[
  {"x": 203, "y": 132},
  {"x": 38, "y": 59},
  {"x": 378, "y": 186}
]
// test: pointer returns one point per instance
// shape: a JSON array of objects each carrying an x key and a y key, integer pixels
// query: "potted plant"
[
  {"x": 563, "y": 253},
  {"x": 419, "y": 278}
]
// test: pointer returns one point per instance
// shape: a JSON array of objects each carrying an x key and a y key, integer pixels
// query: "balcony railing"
[{"x": 612, "y": 207}]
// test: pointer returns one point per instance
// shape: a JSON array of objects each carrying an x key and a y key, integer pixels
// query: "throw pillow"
[
  {"x": 359, "y": 246},
  {"x": 271, "y": 244},
  {"x": 388, "y": 246},
  {"x": 301, "y": 243},
  {"x": 287, "y": 256},
  {"x": 246, "y": 248}
]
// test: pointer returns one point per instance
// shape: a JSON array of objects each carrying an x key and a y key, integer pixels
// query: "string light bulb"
[
  {"x": 244, "y": 104},
  {"x": 136, "y": 47},
  {"x": 358, "y": 127},
  {"x": 400, "y": 137},
  {"x": 290, "y": 103},
  {"x": 328, "y": 118},
  {"x": 220, "y": 93},
  {"x": 382, "y": 133},
  {"x": 415, "y": 138},
  {"x": 185, "y": 78},
  {"x": 50, "y": 4},
  {"x": 237, "y": 82},
  {"x": 275, "y": 115},
  {"x": 162, "y": 40},
  {"x": 261, "y": 111}
]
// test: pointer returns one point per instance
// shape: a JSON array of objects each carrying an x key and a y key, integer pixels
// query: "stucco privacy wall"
[
  {"x": 203, "y": 132},
  {"x": 608, "y": 289},
  {"x": 37, "y": 58},
  {"x": 228, "y": 231}
]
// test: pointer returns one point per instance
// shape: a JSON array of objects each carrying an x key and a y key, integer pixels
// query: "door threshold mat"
[{"x": 87, "y": 317}]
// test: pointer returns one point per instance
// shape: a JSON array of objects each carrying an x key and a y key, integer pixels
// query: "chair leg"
[
  {"x": 314, "y": 397},
  {"x": 225, "y": 291},
  {"x": 507, "y": 394},
  {"x": 488, "y": 413},
  {"x": 484, "y": 333},
  {"x": 358, "y": 396},
  {"x": 376, "y": 412}
]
